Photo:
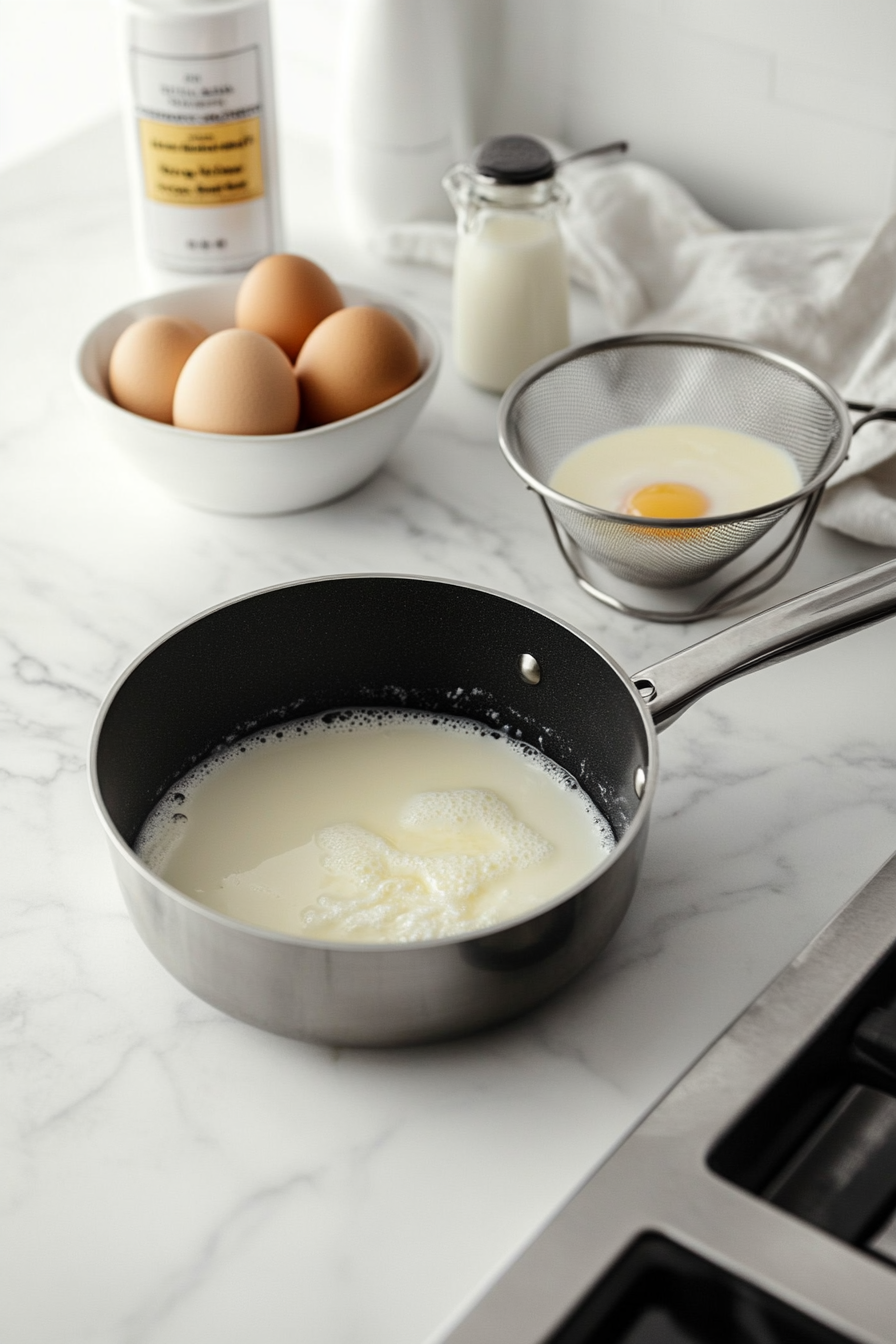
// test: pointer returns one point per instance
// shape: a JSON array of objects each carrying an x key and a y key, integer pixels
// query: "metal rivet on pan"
[
  {"x": 645, "y": 689},
  {"x": 640, "y": 781},
  {"x": 529, "y": 669}
]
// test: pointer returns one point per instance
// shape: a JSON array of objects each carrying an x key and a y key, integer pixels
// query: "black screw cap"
[{"x": 514, "y": 159}]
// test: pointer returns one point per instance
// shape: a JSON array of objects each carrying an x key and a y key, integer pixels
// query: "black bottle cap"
[{"x": 514, "y": 159}]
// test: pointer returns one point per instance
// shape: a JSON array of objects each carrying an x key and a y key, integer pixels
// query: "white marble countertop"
[{"x": 169, "y": 1176}]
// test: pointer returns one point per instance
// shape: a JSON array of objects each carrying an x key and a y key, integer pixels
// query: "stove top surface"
[{"x": 756, "y": 1204}]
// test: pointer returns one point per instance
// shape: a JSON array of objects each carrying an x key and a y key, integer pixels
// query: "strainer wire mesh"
[{"x": 607, "y": 386}]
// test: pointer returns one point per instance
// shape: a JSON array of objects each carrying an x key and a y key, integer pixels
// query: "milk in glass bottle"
[{"x": 511, "y": 289}]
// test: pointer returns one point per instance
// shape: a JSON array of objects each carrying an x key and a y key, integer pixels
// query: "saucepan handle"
[{"x": 803, "y": 623}]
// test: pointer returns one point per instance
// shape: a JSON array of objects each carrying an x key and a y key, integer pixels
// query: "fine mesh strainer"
[{"x": 595, "y": 389}]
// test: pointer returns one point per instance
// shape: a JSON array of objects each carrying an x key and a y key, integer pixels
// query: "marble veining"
[{"x": 169, "y": 1176}]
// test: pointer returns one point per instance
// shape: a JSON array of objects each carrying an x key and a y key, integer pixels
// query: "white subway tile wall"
[
  {"x": 773, "y": 112},
  {"x": 58, "y": 72}
]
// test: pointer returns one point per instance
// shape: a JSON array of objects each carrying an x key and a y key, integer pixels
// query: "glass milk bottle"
[{"x": 511, "y": 289}]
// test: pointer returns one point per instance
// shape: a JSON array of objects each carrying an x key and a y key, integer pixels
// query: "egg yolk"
[{"x": 667, "y": 499}]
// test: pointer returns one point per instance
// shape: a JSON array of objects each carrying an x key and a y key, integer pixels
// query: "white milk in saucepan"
[{"x": 375, "y": 826}]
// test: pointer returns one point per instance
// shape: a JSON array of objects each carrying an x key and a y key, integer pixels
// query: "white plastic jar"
[
  {"x": 511, "y": 288},
  {"x": 201, "y": 133}
]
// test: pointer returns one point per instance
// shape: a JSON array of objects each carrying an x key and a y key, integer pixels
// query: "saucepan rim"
[{"x": 623, "y": 843}]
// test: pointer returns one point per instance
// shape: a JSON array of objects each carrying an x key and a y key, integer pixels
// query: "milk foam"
[
  {"x": 341, "y": 842},
  {"x": 423, "y": 895}
]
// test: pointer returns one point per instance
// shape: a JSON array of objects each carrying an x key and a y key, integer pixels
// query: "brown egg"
[
  {"x": 146, "y": 362},
  {"x": 237, "y": 382},
  {"x": 285, "y": 297},
  {"x": 353, "y": 360}
]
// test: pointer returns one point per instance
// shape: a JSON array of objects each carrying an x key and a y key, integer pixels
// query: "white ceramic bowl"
[{"x": 252, "y": 474}]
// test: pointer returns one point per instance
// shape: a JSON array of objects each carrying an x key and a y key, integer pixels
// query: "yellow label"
[{"x": 202, "y": 165}]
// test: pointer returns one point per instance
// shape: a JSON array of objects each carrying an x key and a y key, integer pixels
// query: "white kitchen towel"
[{"x": 657, "y": 261}]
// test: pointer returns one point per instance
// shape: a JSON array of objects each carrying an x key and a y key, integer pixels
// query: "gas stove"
[{"x": 756, "y": 1204}]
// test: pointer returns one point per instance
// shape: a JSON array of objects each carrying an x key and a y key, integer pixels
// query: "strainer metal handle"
[
  {"x": 872, "y": 412},
  {"x": 805, "y": 622},
  {"x": 770, "y": 570}
]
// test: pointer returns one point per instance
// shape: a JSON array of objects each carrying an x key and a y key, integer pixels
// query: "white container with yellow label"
[{"x": 201, "y": 133}]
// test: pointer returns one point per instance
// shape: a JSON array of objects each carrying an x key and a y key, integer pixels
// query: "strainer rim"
[{"x": 785, "y": 502}]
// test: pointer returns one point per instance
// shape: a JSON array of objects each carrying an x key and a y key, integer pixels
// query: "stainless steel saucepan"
[{"x": 424, "y": 644}]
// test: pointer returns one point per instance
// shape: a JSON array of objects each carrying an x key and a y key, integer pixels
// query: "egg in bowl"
[{"x": 243, "y": 473}]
